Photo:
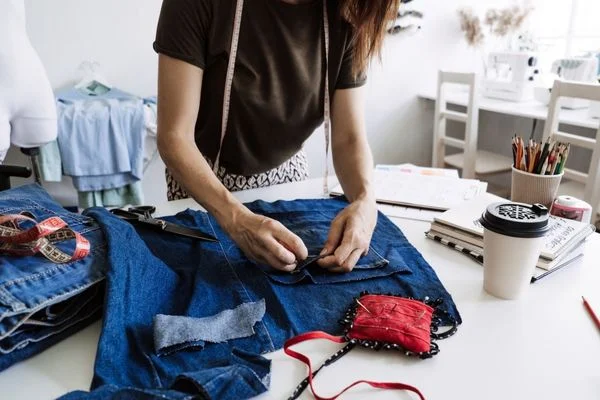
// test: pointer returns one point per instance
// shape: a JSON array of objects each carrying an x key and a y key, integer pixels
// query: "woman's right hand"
[{"x": 265, "y": 240}]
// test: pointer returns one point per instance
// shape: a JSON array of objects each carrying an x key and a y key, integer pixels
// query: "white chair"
[
  {"x": 471, "y": 161},
  {"x": 576, "y": 183}
]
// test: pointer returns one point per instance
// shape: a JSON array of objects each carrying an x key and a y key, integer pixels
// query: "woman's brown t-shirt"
[{"x": 278, "y": 87}]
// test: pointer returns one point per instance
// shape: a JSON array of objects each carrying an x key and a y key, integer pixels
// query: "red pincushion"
[{"x": 393, "y": 320}]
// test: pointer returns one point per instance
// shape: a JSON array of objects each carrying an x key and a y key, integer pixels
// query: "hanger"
[{"x": 92, "y": 80}]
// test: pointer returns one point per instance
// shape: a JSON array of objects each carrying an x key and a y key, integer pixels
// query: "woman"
[{"x": 242, "y": 85}]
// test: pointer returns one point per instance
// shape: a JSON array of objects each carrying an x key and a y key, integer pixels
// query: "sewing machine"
[
  {"x": 511, "y": 76},
  {"x": 579, "y": 69}
]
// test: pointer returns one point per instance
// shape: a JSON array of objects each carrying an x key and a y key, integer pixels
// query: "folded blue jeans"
[
  {"x": 42, "y": 302},
  {"x": 192, "y": 319}
]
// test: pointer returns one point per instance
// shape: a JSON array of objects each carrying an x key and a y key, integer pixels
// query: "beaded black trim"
[{"x": 438, "y": 315}]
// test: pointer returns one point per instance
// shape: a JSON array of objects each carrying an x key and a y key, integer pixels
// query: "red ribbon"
[{"x": 336, "y": 339}]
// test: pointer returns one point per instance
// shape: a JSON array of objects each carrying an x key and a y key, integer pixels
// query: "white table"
[
  {"x": 530, "y": 109},
  {"x": 542, "y": 347}
]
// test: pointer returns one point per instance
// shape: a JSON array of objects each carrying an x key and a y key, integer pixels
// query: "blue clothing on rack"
[
  {"x": 132, "y": 194},
  {"x": 51, "y": 162},
  {"x": 151, "y": 100},
  {"x": 101, "y": 138}
]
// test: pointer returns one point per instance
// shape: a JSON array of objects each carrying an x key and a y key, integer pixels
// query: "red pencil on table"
[{"x": 591, "y": 312}]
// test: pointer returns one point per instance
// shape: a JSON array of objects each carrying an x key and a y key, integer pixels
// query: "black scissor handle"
[
  {"x": 139, "y": 215},
  {"x": 146, "y": 211},
  {"x": 126, "y": 215}
]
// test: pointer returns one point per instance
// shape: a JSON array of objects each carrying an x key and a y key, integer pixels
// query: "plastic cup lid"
[{"x": 516, "y": 219}]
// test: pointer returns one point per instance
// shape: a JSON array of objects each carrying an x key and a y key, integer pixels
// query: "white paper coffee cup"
[{"x": 513, "y": 237}]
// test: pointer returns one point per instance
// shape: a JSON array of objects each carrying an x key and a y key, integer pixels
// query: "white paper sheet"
[{"x": 422, "y": 191}]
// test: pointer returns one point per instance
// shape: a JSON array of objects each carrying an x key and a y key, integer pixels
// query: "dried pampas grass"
[
  {"x": 471, "y": 26},
  {"x": 500, "y": 22}
]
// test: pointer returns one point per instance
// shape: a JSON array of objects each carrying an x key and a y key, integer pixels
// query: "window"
[
  {"x": 566, "y": 28},
  {"x": 585, "y": 30}
]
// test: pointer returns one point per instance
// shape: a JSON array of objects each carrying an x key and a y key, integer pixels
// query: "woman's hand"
[
  {"x": 265, "y": 240},
  {"x": 350, "y": 236}
]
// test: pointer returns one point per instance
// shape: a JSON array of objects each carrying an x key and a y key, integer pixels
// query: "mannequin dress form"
[{"x": 27, "y": 104}]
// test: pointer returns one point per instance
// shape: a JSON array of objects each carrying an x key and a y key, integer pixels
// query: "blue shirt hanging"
[{"x": 101, "y": 138}]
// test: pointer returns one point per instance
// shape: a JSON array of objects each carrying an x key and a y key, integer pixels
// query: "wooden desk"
[
  {"x": 531, "y": 109},
  {"x": 544, "y": 346}
]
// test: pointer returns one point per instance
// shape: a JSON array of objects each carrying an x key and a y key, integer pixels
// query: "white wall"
[
  {"x": 116, "y": 33},
  {"x": 119, "y": 34}
]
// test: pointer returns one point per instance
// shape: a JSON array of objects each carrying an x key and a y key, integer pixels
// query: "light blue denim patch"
[{"x": 171, "y": 331}]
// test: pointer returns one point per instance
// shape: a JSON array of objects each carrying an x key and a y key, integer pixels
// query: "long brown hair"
[{"x": 370, "y": 20}]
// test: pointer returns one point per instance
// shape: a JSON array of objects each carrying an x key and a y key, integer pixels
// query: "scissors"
[{"x": 143, "y": 215}]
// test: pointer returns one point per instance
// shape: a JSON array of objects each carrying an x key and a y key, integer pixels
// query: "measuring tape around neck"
[
  {"x": 229, "y": 83},
  {"x": 327, "y": 110},
  {"x": 235, "y": 39}
]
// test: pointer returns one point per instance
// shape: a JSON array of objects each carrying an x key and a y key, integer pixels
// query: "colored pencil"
[{"x": 546, "y": 158}]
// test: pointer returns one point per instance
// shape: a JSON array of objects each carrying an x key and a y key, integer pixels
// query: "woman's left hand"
[{"x": 350, "y": 236}]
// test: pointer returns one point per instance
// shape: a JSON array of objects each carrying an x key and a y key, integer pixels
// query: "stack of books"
[{"x": 459, "y": 228}]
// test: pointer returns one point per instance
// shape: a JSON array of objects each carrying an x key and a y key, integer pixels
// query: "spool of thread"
[{"x": 572, "y": 208}]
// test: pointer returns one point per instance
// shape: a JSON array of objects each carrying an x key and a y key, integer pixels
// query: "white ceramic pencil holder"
[{"x": 533, "y": 188}]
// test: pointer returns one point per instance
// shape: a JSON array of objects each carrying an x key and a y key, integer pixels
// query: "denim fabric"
[
  {"x": 101, "y": 138},
  {"x": 42, "y": 302},
  {"x": 154, "y": 274}
]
